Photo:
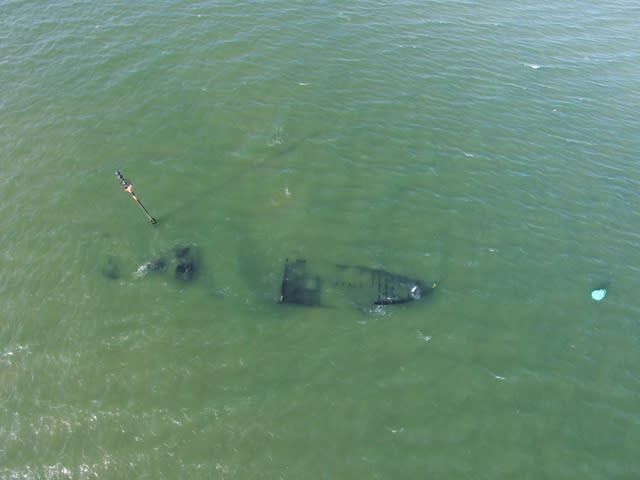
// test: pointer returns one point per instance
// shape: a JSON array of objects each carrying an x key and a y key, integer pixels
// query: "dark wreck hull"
[{"x": 318, "y": 284}]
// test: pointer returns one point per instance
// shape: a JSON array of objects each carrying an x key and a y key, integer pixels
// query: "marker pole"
[{"x": 128, "y": 187}]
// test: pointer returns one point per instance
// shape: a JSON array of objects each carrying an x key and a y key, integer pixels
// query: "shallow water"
[{"x": 489, "y": 149}]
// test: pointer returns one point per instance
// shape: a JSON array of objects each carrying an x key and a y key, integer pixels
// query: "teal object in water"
[{"x": 599, "y": 294}]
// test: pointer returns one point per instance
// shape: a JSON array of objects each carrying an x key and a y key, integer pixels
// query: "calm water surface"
[{"x": 489, "y": 147}]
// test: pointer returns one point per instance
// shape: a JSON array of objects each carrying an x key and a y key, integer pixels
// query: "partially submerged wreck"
[
  {"x": 331, "y": 285},
  {"x": 319, "y": 284}
]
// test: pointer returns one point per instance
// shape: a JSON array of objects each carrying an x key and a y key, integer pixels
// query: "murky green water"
[{"x": 491, "y": 148}]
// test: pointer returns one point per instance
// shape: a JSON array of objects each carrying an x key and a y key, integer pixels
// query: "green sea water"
[{"x": 489, "y": 146}]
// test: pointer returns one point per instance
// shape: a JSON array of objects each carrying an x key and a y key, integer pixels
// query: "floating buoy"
[{"x": 599, "y": 294}]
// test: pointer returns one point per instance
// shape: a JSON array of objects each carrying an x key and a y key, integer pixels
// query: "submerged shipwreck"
[
  {"x": 335, "y": 284},
  {"x": 184, "y": 260},
  {"x": 318, "y": 284}
]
